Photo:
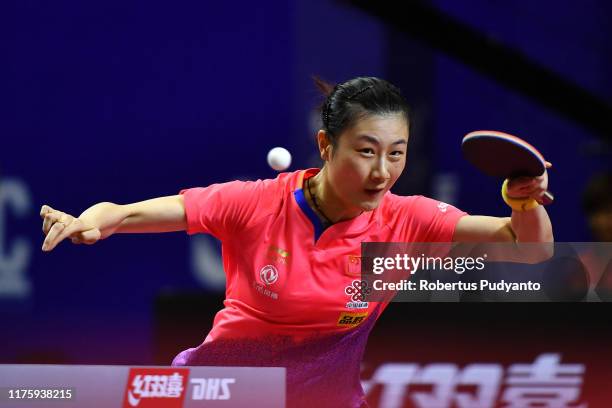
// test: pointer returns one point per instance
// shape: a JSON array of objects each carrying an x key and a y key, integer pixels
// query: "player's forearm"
[
  {"x": 532, "y": 226},
  {"x": 163, "y": 214}
]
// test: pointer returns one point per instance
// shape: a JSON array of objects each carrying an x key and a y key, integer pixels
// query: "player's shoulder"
[
  {"x": 281, "y": 184},
  {"x": 287, "y": 183},
  {"x": 414, "y": 205},
  {"x": 261, "y": 186},
  {"x": 393, "y": 202}
]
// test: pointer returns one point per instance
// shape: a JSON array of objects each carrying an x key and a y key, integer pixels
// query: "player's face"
[{"x": 368, "y": 160}]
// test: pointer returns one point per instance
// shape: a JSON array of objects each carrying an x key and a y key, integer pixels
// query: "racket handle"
[{"x": 547, "y": 198}]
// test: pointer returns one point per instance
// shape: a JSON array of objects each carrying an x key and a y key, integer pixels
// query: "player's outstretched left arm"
[{"x": 162, "y": 214}]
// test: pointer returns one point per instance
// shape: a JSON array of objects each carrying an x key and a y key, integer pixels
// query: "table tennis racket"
[{"x": 499, "y": 154}]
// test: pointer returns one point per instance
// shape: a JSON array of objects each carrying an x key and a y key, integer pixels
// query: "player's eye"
[{"x": 367, "y": 151}]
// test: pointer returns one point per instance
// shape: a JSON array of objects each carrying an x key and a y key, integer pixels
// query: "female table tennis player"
[{"x": 288, "y": 242}]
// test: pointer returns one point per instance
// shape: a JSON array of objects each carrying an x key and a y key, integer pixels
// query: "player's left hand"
[{"x": 534, "y": 187}]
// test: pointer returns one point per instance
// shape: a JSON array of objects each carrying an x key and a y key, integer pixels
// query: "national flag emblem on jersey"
[
  {"x": 156, "y": 388},
  {"x": 353, "y": 266}
]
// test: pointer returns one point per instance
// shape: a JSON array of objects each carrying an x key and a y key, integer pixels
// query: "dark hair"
[{"x": 349, "y": 101}]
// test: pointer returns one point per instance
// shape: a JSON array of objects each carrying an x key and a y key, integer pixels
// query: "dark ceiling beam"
[{"x": 502, "y": 63}]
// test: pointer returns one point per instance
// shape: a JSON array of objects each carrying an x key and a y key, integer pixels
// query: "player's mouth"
[{"x": 374, "y": 192}]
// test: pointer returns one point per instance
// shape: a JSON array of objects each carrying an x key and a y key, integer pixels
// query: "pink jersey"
[{"x": 290, "y": 284}]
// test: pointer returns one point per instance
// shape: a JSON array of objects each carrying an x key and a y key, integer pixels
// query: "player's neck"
[{"x": 325, "y": 203}]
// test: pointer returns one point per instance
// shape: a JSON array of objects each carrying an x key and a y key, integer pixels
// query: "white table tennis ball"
[{"x": 279, "y": 158}]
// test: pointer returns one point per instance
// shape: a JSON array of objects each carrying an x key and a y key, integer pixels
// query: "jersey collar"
[{"x": 354, "y": 226}]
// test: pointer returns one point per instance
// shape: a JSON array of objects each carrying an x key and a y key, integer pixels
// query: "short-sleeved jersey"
[{"x": 290, "y": 284}]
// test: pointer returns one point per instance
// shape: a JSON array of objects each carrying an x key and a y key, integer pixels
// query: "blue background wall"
[{"x": 124, "y": 101}]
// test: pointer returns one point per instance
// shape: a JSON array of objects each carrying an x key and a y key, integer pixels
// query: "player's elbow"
[
  {"x": 536, "y": 249},
  {"x": 535, "y": 252},
  {"x": 532, "y": 251}
]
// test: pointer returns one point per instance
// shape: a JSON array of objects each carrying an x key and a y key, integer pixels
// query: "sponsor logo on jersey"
[
  {"x": 261, "y": 289},
  {"x": 351, "y": 319},
  {"x": 357, "y": 291},
  {"x": 268, "y": 274},
  {"x": 155, "y": 387},
  {"x": 442, "y": 207}
]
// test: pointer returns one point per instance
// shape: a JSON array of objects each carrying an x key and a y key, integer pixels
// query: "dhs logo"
[
  {"x": 268, "y": 274},
  {"x": 211, "y": 388},
  {"x": 155, "y": 387}
]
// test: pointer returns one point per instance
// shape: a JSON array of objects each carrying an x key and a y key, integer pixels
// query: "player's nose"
[{"x": 380, "y": 172}]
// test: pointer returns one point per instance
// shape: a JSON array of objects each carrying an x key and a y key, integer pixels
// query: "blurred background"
[{"x": 127, "y": 100}]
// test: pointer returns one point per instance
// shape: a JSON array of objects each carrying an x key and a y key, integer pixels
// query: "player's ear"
[{"x": 324, "y": 144}]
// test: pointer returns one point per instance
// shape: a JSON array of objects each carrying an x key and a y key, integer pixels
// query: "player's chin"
[{"x": 370, "y": 204}]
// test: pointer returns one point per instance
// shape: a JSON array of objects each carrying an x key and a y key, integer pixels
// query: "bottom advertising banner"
[
  {"x": 144, "y": 387},
  {"x": 544, "y": 382},
  {"x": 490, "y": 355}
]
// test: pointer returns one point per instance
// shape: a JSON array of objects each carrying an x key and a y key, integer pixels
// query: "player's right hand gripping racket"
[{"x": 499, "y": 154}]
